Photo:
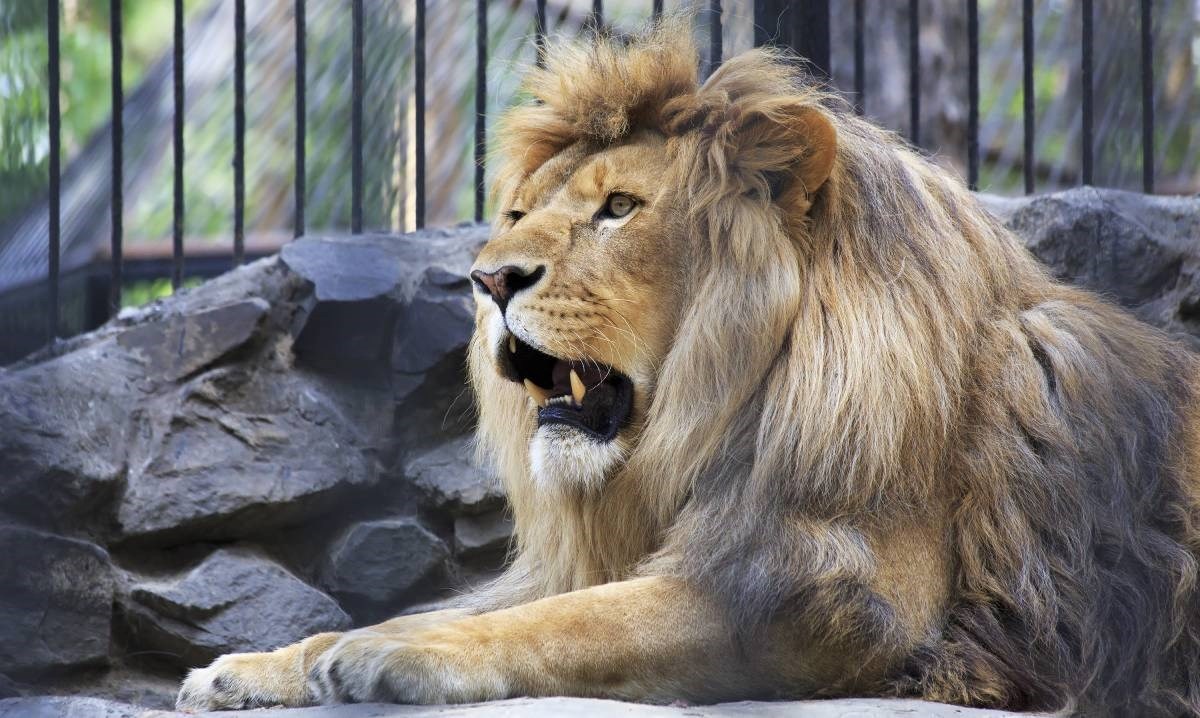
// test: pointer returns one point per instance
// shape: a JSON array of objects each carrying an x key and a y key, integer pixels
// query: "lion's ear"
[
  {"x": 781, "y": 142},
  {"x": 790, "y": 143}
]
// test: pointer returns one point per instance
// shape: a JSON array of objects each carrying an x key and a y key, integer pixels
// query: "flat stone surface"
[
  {"x": 345, "y": 269},
  {"x": 233, "y": 601},
  {"x": 178, "y": 345},
  {"x": 375, "y": 566},
  {"x": 56, "y": 707},
  {"x": 360, "y": 267},
  {"x": 55, "y": 602}
]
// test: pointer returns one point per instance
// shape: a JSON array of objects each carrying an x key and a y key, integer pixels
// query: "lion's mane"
[{"x": 854, "y": 356}]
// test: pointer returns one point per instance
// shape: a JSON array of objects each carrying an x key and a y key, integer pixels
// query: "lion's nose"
[{"x": 506, "y": 281}]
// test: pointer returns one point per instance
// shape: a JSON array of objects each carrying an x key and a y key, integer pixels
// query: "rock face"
[
  {"x": 286, "y": 449},
  {"x": 62, "y": 439},
  {"x": 482, "y": 535},
  {"x": 1143, "y": 252},
  {"x": 55, "y": 604},
  {"x": 273, "y": 411},
  {"x": 375, "y": 565},
  {"x": 452, "y": 481},
  {"x": 234, "y": 601}
]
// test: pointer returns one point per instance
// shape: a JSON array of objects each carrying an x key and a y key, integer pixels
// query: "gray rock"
[
  {"x": 437, "y": 323},
  {"x": 179, "y": 345},
  {"x": 233, "y": 601},
  {"x": 242, "y": 450},
  {"x": 484, "y": 535},
  {"x": 64, "y": 438},
  {"x": 74, "y": 419},
  {"x": 1141, "y": 251},
  {"x": 452, "y": 481},
  {"x": 371, "y": 289},
  {"x": 8, "y": 687},
  {"x": 55, "y": 604},
  {"x": 362, "y": 267},
  {"x": 345, "y": 269},
  {"x": 376, "y": 568},
  {"x": 251, "y": 403},
  {"x": 55, "y": 707}
]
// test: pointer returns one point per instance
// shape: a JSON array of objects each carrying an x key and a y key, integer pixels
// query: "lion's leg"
[
  {"x": 251, "y": 680},
  {"x": 648, "y": 639}
]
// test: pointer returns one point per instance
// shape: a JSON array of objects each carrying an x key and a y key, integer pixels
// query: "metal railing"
[{"x": 803, "y": 25}]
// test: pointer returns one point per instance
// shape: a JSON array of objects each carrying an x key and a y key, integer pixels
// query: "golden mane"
[{"x": 880, "y": 347}]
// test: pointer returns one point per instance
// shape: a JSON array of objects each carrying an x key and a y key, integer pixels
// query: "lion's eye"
[
  {"x": 617, "y": 206},
  {"x": 514, "y": 215}
]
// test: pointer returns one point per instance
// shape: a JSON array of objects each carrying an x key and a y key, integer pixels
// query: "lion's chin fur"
[{"x": 563, "y": 459}]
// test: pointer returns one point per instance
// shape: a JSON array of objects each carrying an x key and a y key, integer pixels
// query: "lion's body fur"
[
  {"x": 873, "y": 448},
  {"x": 878, "y": 419}
]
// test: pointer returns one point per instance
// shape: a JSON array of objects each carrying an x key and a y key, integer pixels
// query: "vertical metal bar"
[
  {"x": 1027, "y": 65},
  {"x": 715, "y": 44},
  {"x": 973, "y": 94},
  {"x": 656, "y": 10},
  {"x": 810, "y": 33},
  {"x": 301, "y": 117},
  {"x": 914, "y": 71},
  {"x": 860, "y": 54},
  {"x": 539, "y": 32},
  {"x": 1147, "y": 97},
  {"x": 480, "y": 103},
  {"x": 239, "y": 132},
  {"x": 597, "y": 18},
  {"x": 802, "y": 25},
  {"x": 356, "y": 123},
  {"x": 178, "y": 209},
  {"x": 1087, "y": 139},
  {"x": 118, "y": 159},
  {"x": 54, "y": 60},
  {"x": 766, "y": 23},
  {"x": 419, "y": 101}
]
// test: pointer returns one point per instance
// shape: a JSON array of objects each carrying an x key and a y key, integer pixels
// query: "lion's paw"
[
  {"x": 364, "y": 667},
  {"x": 237, "y": 681}
]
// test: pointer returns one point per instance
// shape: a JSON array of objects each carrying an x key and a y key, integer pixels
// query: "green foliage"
[
  {"x": 86, "y": 74},
  {"x": 135, "y": 294}
]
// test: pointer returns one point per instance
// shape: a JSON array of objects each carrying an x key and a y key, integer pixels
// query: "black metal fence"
[{"x": 803, "y": 25}]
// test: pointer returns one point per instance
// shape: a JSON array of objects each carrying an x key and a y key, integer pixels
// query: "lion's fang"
[
  {"x": 512, "y": 344},
  {"x": 540, "y": 396},
  {"x": 578, "y": 390}
]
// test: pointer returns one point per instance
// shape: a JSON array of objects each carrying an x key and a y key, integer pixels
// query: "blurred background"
[{"x": 389, "y": 113}]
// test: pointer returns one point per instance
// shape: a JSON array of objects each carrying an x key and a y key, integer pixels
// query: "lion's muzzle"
[{"x": 583, "y": 394}]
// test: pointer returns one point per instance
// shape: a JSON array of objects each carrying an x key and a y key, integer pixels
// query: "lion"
[{"x": 782, "y": 412}]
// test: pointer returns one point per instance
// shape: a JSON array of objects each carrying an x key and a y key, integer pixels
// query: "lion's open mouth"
[{"x": 587, "y": 395}]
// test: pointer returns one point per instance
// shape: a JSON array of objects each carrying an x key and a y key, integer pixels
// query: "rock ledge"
[{"x": 530, "y": 707}]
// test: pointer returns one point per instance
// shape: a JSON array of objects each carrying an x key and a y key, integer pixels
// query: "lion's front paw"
[
  {"x": 240, "y": 680},
  {"x": 366, "y": 667}
]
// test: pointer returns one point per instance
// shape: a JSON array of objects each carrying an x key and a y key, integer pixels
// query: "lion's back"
[{"x": 1078, "y": 541}]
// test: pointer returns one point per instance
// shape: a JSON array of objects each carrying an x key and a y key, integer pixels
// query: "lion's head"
[{"x": 624, "y": 198}]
